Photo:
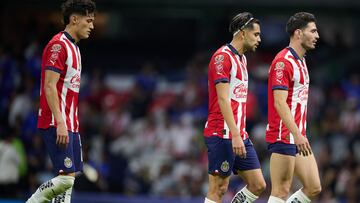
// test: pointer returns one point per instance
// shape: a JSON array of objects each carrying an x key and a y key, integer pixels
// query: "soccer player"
[
  {"x": 58, "y": 114},
  {"x": 288, "y": 88},
  {"x": 228, "y": 143}
]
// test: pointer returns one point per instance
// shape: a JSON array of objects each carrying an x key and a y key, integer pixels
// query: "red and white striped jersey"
[
  {"x": 61, "y": 55},
  {"x": 226, "y": 65},
  {"x": 287, "y": 72}
]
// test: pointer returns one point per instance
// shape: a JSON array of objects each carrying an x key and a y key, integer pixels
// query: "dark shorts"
[
  {"x": 222, "y": 160},
  {"x": 64, "y": 160},
  {"x": 283, "y": 148}
]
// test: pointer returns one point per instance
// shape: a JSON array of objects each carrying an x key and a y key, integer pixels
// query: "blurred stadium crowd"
[{"x": 142, "y": 132}]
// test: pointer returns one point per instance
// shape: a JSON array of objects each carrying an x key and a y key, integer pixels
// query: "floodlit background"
[{"x": 144, "y": 97}]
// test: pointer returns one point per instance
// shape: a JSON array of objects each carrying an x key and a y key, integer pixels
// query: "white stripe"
[
  {"x": 79, "y": 59},
  {"x": 280, "y": 130},
  {"x": 244, "y": 130},
  {"x": 81, "y": 153},
  {"x": 233, "y": 73},
  {"x": 63, "y": 104},
  {"x": 77, "y": 119},
  {"x": 71, "y": 115},
  {"x": 52, "y": 119},
  {"x": 239, "y": 113},
  {"x": 244, "y": 67},
  {"x": 302, "y": 109},
  {"x": 296, "y": 79},
  {"x": 69, "y": 59},
  {"x": 226, "y": 135}
]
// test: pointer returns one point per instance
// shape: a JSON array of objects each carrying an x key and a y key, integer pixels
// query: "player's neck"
[
  {"x": 71, "y": 32},
  {"x": 238, "y": 46},
  {"x": 300, "y": 51}
]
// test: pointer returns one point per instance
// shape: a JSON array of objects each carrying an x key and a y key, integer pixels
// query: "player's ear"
[
  {"x": 298, "y": 32},
  {"x": 73, "y": 19},
  {"x": 242, "y": 33}
]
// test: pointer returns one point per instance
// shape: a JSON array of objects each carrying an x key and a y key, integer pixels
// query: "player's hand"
[
  {"x": 238, "y": 146},
  {"x": 302, "y": 145},
  {"x": 62, "y": 136}
]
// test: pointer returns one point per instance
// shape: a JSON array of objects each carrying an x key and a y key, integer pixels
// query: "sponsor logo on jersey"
[
  {"x": 240, "y": 91},
  {"x": 75, "y": 81},
  {"x": 303, "y": 94}
]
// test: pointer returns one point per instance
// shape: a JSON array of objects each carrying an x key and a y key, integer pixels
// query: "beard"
[{"x": 307, "y": 47}]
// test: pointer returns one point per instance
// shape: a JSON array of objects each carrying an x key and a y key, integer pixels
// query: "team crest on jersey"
[
  {"x": 225, "y": 166},
  {"x": 56, "y": 48},
  {"x": 279, "y": 65},
  {"x": 67, "y": 162},
  {"x": 219, "y": 58}
]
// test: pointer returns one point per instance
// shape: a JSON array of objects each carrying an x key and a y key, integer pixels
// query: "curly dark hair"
[
  {"x": 82, "y": 7},
  {"x": 299, "y": 21}
]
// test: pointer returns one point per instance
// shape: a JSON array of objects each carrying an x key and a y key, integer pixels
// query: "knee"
[
  {"x": 315, "y": 191},
  {"x": 222, "y": 190},
  {"x": 66, "y": 181},
  {"x": 261, "y": 187},
  {"x": 257, "y": 188},
  {"x": 217, "y": 189},
  {"x": 281, "y": 191}
]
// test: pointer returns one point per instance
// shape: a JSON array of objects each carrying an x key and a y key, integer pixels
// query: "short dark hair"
[
  {"x": 299, "y": 21},
  {"x": 82, "y": 7},
  {"x": 242, "y": 21}
]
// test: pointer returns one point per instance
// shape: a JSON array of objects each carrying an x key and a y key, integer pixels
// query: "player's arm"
[
  {"x": 54, "y": 58},
  {"x": 222, "y": 90},
  {"x": 284, "y": 112},
  {"x": 51, "y": 79}
]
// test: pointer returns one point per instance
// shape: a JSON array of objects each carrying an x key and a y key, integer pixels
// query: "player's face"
[
  {"x": 252, "y": 38},
  {"x": 309, "y": 36},
  {"x": 85, "y": 25}
]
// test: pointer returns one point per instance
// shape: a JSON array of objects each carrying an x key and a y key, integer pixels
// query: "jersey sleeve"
[
  {"x": 280, "y": 75},
  {"x": 219, "y": 68},
  {"x": 55, "y": 57}
]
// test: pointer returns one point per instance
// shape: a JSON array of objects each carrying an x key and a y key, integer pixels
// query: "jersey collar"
[
  {"x": 232, "y": 49},
  {"x": 69, "y": 37},
  {"x": 293, "y": 52}
]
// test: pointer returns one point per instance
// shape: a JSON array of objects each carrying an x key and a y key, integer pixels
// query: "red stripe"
[
  {"x": 297, "y": 116},
  {"x": 302, "y": 79},
  {"x": 303, "y": 121},
  {"x": 284, "y": 130},
  {"x": 69, "y": 100},
  {"x": 243, "y": 67},
  {"x": 73, "y": 53},
  {"x": 238, "y": 73},
  {"x": 234, "y": 105},
  {"x": 243, "y": 122},
  {"x": 59, "y": 87},
  {"x": 75, "y": 110}
]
